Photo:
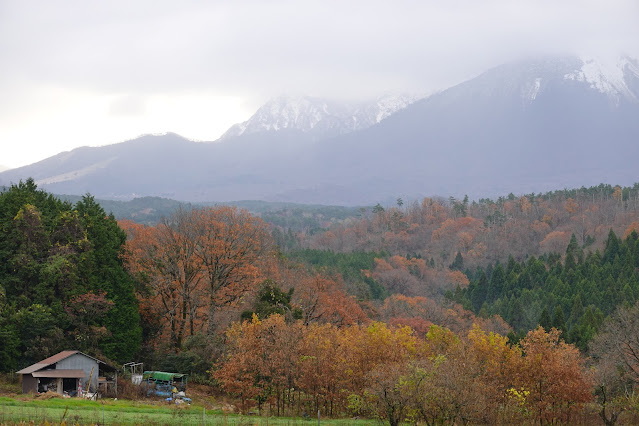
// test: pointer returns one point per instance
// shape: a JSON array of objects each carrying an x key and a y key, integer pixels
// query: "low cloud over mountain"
[{"x": 522, "y": 127}]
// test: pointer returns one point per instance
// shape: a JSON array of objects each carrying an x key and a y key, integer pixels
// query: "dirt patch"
[{"x": 203, "y": 395}]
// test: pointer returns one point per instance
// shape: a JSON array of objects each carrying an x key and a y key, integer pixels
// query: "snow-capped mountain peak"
[
  {"x": 319, "y": 117},
  {"x": 608, "y": 76},
  {"x": 284, "y": 112}
]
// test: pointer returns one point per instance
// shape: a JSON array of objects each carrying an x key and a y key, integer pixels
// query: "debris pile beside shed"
[{"x": 169, "y": 385}]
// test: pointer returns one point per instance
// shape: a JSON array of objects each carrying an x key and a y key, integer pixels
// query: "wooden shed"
[{"x": 67, "y": 371}]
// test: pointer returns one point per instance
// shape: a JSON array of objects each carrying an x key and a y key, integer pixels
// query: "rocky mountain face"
[{"x": 523, "y": 127}]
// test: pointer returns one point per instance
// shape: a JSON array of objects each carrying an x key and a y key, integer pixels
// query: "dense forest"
[
  {"x": 62, "y": 282},
  {"x": 572, "y": 296},
  {"x": 439, "y": 311}
]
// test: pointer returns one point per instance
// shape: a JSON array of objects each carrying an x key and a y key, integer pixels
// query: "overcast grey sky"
[{"x": 76, "y": 73}]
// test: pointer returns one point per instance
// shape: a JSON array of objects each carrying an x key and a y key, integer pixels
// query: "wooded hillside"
[{"x": 405, "y": 312}]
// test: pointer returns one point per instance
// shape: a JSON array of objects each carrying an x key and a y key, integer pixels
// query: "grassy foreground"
[{"x": 78, "y": 411}]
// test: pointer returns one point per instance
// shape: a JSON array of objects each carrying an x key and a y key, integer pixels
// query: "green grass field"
[{"x": 109, "y": 412}]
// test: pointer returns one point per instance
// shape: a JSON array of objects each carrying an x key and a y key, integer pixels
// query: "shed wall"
[
  {"x": 29, "y": 384},
  {"x": 81, "y": 362}
]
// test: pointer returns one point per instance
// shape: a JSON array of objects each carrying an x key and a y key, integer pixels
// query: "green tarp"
[{"x": 163, "y": 376}]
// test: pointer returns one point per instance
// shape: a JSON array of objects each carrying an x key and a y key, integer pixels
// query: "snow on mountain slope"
[
  {"x": 320, "y": 117},
  {"x": 608, "y": 76},
  {"x": 617, "y": 79},
  {"x": 387, "y": 105},
  {"x": 301, "y": 113}
]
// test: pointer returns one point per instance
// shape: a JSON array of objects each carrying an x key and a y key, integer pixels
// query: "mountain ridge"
[{"x": 522, "y": 127}]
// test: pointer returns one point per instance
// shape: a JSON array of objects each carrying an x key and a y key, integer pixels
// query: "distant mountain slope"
[
  {"x": 139, "y": 167},
  {"x": 246, "y": 167},
  {"x": 523, "y": 127}
]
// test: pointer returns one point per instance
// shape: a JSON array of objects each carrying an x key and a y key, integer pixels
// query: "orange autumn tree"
[
  {"x": 322, "y": 352},
  {"x": 418, "y": 312},
  {"x": 323, "y": 300},
  {"x": 261, "y": 363},
  {"x": 377, "y": 365},
  {"x": 554, "y": 376},
  {"x": 240, "y": 372},
  {"x": 233, "y": 248},
  {"x": 401, "y": 275},
  {"x": 162, "y": 258},
  {"x": 195, "y": 262}
]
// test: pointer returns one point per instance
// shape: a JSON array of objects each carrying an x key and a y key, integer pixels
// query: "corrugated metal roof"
[
  {"x": 65, "y": 374},
  {"x": 53, "y": 359},
  {"x": 58, "y": 357},
  {"x": 47, "y": 362},
  {"x": 30, "y": 369}
]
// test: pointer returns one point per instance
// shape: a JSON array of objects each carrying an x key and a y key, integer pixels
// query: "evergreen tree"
[
  {"x": 516, "y": 315},
  {"x": 628, "y": 295},
  {"x": 571, "y": 250},
  {"x": 512, "y": 266},
  {"x": 107, "y": 273},
  {"x": 272, "y": 300},
  {"x": 478, "y": 296},
  {"x": 576, "y": 311},
  {"x": 612, "y": 247},
  {"x": 545, "y": 320},
  {"x": 496, "y": 286},
  {"x": 458, "y": 263},
  {"x": 558, "y": 320}
]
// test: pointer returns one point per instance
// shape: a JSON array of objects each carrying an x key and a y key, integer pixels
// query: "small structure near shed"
[
  {"x": 136, "y": 369},
  {"x": 66, "y": 372},
  {"x": 161, "y": 383}
]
